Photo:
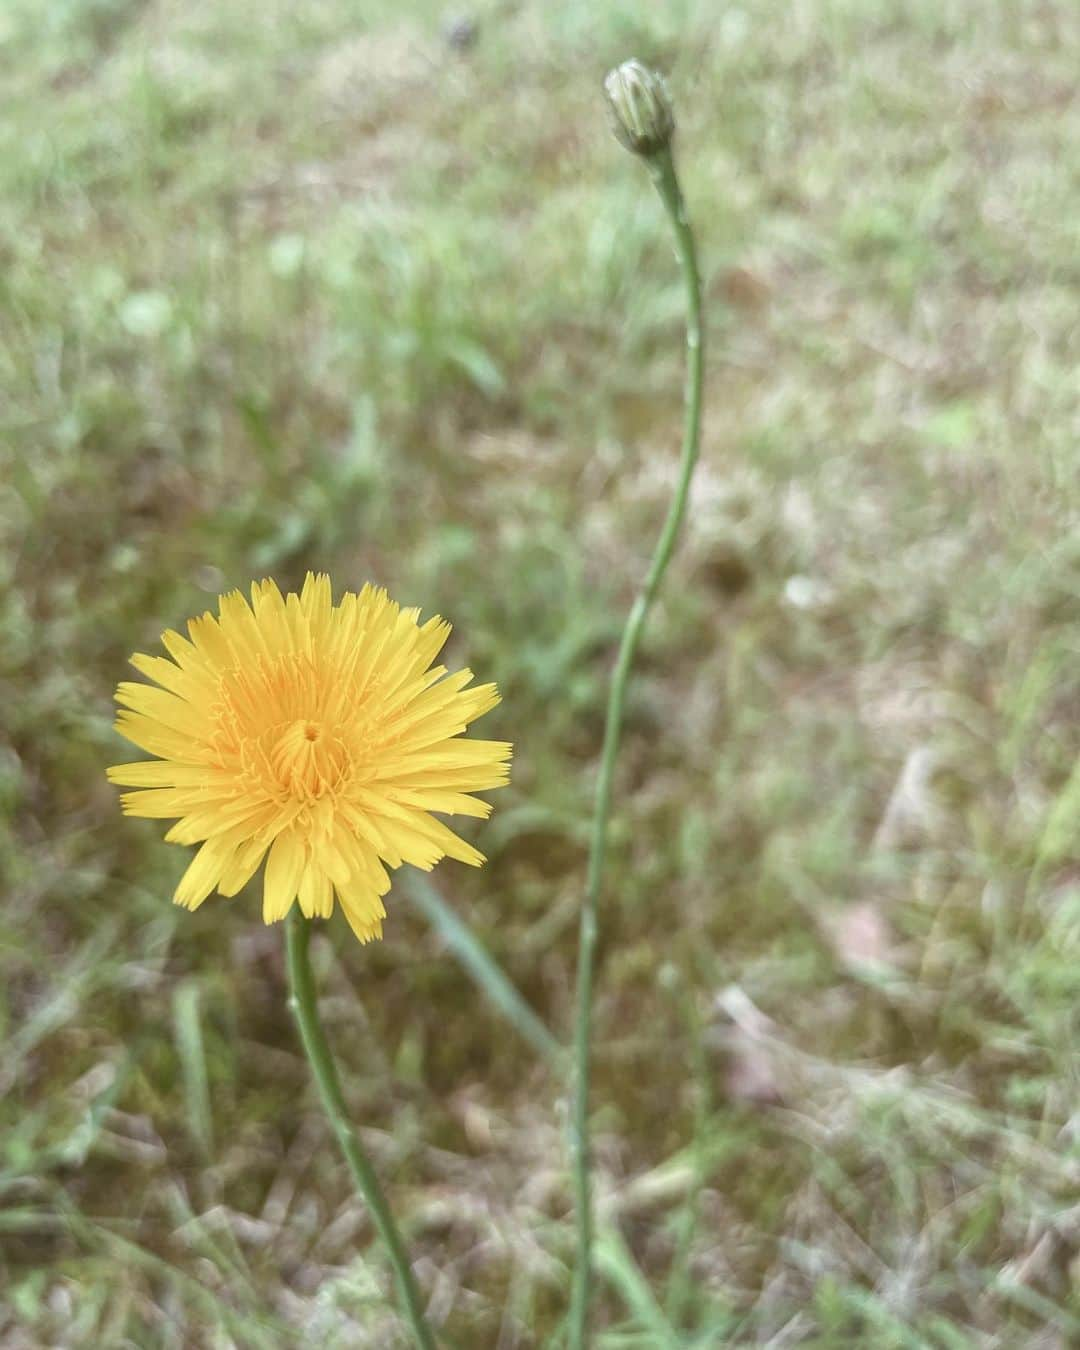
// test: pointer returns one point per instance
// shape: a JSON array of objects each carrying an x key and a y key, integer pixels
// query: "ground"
[{"x": 372, "y": 289}]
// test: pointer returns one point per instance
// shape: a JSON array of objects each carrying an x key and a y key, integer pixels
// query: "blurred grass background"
[{"x": 370, "y": 288}]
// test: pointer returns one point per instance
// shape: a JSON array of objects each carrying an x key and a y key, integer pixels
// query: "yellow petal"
[
  {"x": 156, "y": 803},
  {"x": 437, "y": 799},
  {"x": 209, "y": 641},
  {"x": 316, "y": 600},
  {"x": 151, "y": 736},
  {"x": 449, "y": 843},
  {"x": 239, "y": 870},
  {"x": 284, "y": 867},
  {"x": 364, "y": 911},
  {"x": 189, "y": 684},
  {"x": 203, "y": 872},
  {"x": 316, "y": 894},
  {"x": 159, "y": 773}
]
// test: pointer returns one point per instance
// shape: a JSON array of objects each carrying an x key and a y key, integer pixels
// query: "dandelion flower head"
[{"x": 317, "y": 736}]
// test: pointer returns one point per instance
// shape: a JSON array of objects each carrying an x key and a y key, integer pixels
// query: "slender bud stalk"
[{"x": 644, "y": 123}]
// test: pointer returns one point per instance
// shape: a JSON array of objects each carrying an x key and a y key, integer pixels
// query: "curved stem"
[
  {"x": 303, "y": 1005},
  {"x": 662, "y": 168}
]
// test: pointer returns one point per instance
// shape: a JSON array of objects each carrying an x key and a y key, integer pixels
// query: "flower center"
[{"x": 307, "y": 759}]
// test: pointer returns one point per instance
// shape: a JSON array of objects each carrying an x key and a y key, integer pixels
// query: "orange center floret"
[{"x": 305, "y": 759}]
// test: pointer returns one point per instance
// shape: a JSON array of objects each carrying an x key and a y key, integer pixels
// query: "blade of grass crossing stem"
[
  {"x": 644, "y": 123},
  {"x": 481, "y": 966},
  {"x": 614, "y": 1260},
  {"x": 187, "y": 1024},
  {"x": 680, "y": 1281}
]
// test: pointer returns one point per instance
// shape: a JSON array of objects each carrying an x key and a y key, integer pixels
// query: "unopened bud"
[{"x": 640, "y": 108}]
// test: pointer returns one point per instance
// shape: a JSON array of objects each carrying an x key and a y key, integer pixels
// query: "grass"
[{"x": 291, "y": 287}]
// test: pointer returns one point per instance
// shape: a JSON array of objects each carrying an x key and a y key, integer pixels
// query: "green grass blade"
[
  {"x": 187, "y": 1026},
  {"x": 481, "y": 966},
  {"x": 615, "y": 1261}
]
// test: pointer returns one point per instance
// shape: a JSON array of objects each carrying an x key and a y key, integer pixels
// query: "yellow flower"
[{"x": 314, "y": 734}]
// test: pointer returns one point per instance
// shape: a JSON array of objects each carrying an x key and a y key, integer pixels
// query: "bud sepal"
[{"x": 640, "y": 107}]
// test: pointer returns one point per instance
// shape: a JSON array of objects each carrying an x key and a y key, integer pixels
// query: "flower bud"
[{"x": 640, "y": 108}]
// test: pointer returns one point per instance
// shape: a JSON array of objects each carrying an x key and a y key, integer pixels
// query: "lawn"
[{"x": 371, "y": 289}]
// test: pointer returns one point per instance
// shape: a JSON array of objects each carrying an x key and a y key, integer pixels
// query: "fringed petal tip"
[
  {"x": 269, "y": 919},
  {"x": 364, "y": 930}
]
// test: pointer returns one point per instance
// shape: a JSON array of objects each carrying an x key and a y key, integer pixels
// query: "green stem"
[
  {"x": 662, "y": 168},
  {"x": 303, "y": 1004}
]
